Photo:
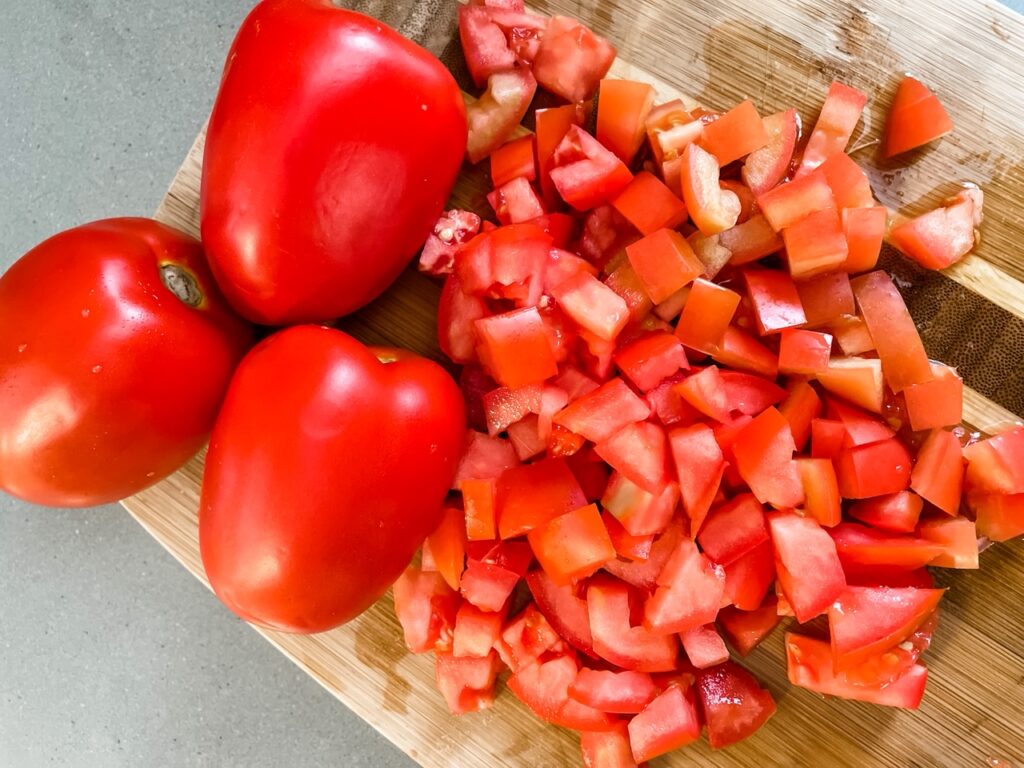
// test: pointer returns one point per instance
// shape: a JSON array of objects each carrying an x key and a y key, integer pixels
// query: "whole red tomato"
[
  {"x": 322, "y": 483},
  {"x": 116, "y": 349},
  {"x": 332, "y": 148}
]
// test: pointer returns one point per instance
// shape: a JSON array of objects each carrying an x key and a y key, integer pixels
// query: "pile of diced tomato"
[{"x": 697, "y": 410}]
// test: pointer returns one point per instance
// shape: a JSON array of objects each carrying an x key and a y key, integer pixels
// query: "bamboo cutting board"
[{"x": 973, "y": 317}]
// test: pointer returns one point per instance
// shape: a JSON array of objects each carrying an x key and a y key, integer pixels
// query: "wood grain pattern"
[{"x": 784, "y": 56}]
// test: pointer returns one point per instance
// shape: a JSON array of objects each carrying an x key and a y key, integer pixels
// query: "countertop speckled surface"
[{"x": 111, "y": 654}]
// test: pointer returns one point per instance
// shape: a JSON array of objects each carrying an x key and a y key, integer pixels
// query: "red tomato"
[
  {"x": 616, "y": 640},
  {"x": 733, "y": 703},
  {"x": 864, "y": 229},
  {"x": 566, "y": 612},
  {"x": 936, "y": 403},
  {"x": 649, "y": 205},
  {"x": 585, "y": 173},
  {"x": 764, "y": 457},
  {"x": 494, "y": 39},
  {"x": 735, "y": 134},
  {"x": 116, "y": 349},
  {"x": 809, "y": 568},
  {"x": 804, "y": 352},
  {"x": 426, "y": 608},
  {"x": 996, "y": 465},
  {"x": 942, "y": 237},
  {"x": 860, "y": 546},
  {"x": 733, "y": 529},
  {"x": 711, "y": 208},
  {"x": 625, "y": 692},
  {"x": 750, "y": 240},
  {"x": 747, "y": 580},
  {"x": 746, "y": 629},
  {"x": 873, "y": 470},
  {"x": 452, "y": 229},
  {"x": 572, "y": 60},
  {"x": 497, "y": 113},
  {"x": 607, "y": 749},
  {"x": 689, "y": 593},
  {"x": 699, "y": 466},
  {"x": 544, "y": 688},
  {"x": 664, "y": 262},
  {"x": 706, "y": 315},
  {"x": 896, "y": 512},
  {"x": 916, "y": 117},
  {"x": 704, "y": 647},
  {"x": 622, "y": 110},
  {"x": 284, "y": 532},
  {"x": 849, "y": 183},
  {"x": 958, "y": 538},
  {"x": 938, "y": 474},
  {"x": 467, "y": 684},
  {"x": 572, "y": 546},
  {"x": 816, "y": 244},
  {"x": 839, "y": 117},
  {"x": 297, "y": 219},
  {"x": 766, "y": 167},
  {"x": 788, "y": 203},
  {"x": 774, "y": 299},
  {"x": 669, "y": 722}
]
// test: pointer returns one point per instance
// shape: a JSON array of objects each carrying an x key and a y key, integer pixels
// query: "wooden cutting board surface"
[{"x": 972, "y": 54}]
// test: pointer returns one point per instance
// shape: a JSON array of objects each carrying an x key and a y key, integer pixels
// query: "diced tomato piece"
[
  {"x": 774, "y": 299},
  {"x": 711, "y": 208},
  {"x": 622, "y": 109},
  {"x": 936, "y": 403},
  {"x": 669, "y": 722},
  {"x": 735, "y": 134},
  {"x": 788, "y": 203},
  {"x": 600, "y": 414},
  {"x": 591, "y": 473},
  {"x": 826, "y": 297},
  {"x": 851, "y": 333},
  {"x": 864, "y": 229},
  {"x": 664, "y": 262},
  {"x": 668, "y": 407},
  {"x": 608, "y": 749},
  {"x": 764, "y": 457},
  {"x": 487, "y": 585},
  {"x": 1000, "y": 517},
  {"x": 766, "y": 167},
  {"x": 750, "y": 240},
  {"x": 705, "y": 391},
  {"x": 649, "y": 205},
  {"x": 809, "y": 665},
  {"x": 572, "y": 59},
  {"x": 476, "y": 631},
  {"x": 670, "y": 130},
  {"x": 861, "y": 428},
  {"x": 484, "y": 42},
  {"x": 513, "y": 556},
  {"x": 849, "y": 183},
  {"x": 996, "y": 465},
  {"x": 638, "y": 451},
  {"x": 958, "y": 538},
  {"x": 873, "y": 470},
  {"x": 504, "y": 406},
  {"x": 452, "y": 229},
  {"x": 809, "y": 568},
  {"x": 938, "y": 473},
  {"x": 515, "y": 349},
  {"x": 940, "y": 238},
  {"x": 626, "y": 283},
  {"x": 585, "y": 173},
  {"x": 733, "y": 702},
  {"x": 544, "y": 688},
  {"x": 625, "y": 692},
  {"x": 616, "y": 640},
  {"x": 733, "y": 529},
  {"x": 738, "y": 349},
  {"x": 478, "y": 501},
  {"x": 648, "y": 360},
  {"x": 467, "y": 683},
  {"x": 575, "y": 383},
  {"x": 593, "y": 305},
  {"x": 706, "y": 315},
  {"x": 484, "y": 458},
  {"x": 857, "y": 379},
  {"x": 566, "y": 612},
  {"x": 425, "y": 606},
  {"x": 858, "y": 545},
  {"x": 904, "y": 360},
  {"x": 572, "y": 546},
  {"x": 748, "y": 393},
  {"x": 641, "y": 512},
  {"x": 865, "y": 621},
  {"x": 897, "y": 512},
  {"x": 699, "y": 466},
  {"x": 626, "y": 544},
  {"x": 526, "y": 638},
  {"x": 515, "y": 202},
  {"x": 710, "y": 251},
  {"x": 552, "y": 126},
  {"x": 531, "y": 495},
  {"x": 447, "y": 546},
  {"x": 496, "y": 114},
  {"x": 805, "y": 352},
  {"x": 821, "y": 489},
  {"x": 801, "y": 407},
  {"x": 816, "y": 244},
  {"x": 643, "y": 574},
  {"x": 704, "y": 647},
  {"x": 513, "y": 160},
  {"x": 747, "y": 579},
  {"x": 457, "y": 313},
  {"x": 689, "y": 593},
  {"x": 916, "y": 117},
  {"x": 745, "y": 630},
  {"x": 839, "y": 117}
]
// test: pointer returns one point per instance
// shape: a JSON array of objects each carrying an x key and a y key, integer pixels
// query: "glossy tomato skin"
[
  {"x": 108, "y": 381},
  {"x": 333, "y": 145},
  {"x": 321, "y": 485}
]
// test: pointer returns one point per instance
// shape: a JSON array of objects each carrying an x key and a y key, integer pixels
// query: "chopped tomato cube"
[
  {"x": 513, "y": 160},
  {"x": 689, "y": 593},
  {"x": 515, "y": 349},
  {"x": 711, "y": 208},
  {"x": 526, "y": 438},
  {"x": 941, "y": 237},
  {"x": 626, "y": 283},
  {"x": 643, "y": 574},
  {"x": 809, "y": 665},
  {"x": 526, "y": 638},
  {"x": 457, "y": 314},
  {"x": 839, "y": 117},
  {"x": 864, "y": 229},
  {"x": 552, "y": 126},
  {"x": 699, "y": 466},
  {"x": 485, "y": 457},
  {"x": 733, "y": 702},
  {"x": 852, "y": 335},
  {"x": 590, "y": 471},
  {"x": 750, "y": 240},
  {"x": 670, "y": 130},
  {"x": 873, "y": 470},
  {"x": 625, "y": 692},
  {"x": 858, "y": 545},
  {"x": 958, "y": 537},
  {"x": 566, "y": 612},
  {"x": 849, "y": 183},
  {"x": 650, "y": 359},
  {"x": 735, "y": 134},
  {"x": 626, "y": 544},
  {"x": 467, "y": 683},
  {"x": 827, "y": 438},
  {"x": 649, "y": 205},
  {"x": 585, "y": 173},
  {"x": 788, "y": 203},
  {"x": 622, "y": 109},
  {"x": 996, "y": 465},
  {"x": 447, "y": 546},
  {"x": 705, "y": 391},
  {"x": 904, "y": 361},
  {"x": 593, "y": 305},
  {"x": 452, "y": 229},
  {"x": 738, "y": 349},
  {"x": 821, "y": 490},
  {"x": 485, "y": 35},
  {"x": 504, "y": 406},
  {"x": 531, "y": 495},
  {"x": 496, "y": 114},
  {"x": 544, "y": 688},
  {"x": 706, "y": 315},
  {"x": 704, "y": 647},
  {"x": 641, "y": 512},
  {"x": 826, "y": 297},
  {"x": 571, "y": 59},
  {"x": 487, "y": 585},
  {"x": 938, "y": 473},
  {"x": 747, "y": 580},
  {"x": 664, "y": 262},
  {"x": 1000, "y": 516},
  {"x": 572, "y": 546},
  {"x": 733, "y": 529},
  {"x": 936, "y": 403},
  {"x": 857, "y": 379},
  {"x": 916, "y": 117},
  {"x": 515, "y": 202},
  {"x": 639, "y": 452},
  {"x": 750, "y": 394},
  {"x": 764, "y": 457},
  {"x": 809, "y": 570},
  {"x": 815, "y": 244},
  {"x": 616, "y": 640},
  {"x": 746, "y": 629},
  {"x": 607, "y": 749},
  {"x": 774, "y": 299},
  {"x": 600, "y": 414},
  {"x": 766, "y": 167},
  {"x": 805, "y": 352},
  {"x": 897, "y": 512},
  {"x": 861, "y": 428},
  {"x": 669, "y": 722},
  {"x": 801, "y": 406},
  {"x": 425, "y": 606},
  {"x": 478, "y": 501},
  {"x": 476, "y": 631}
]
